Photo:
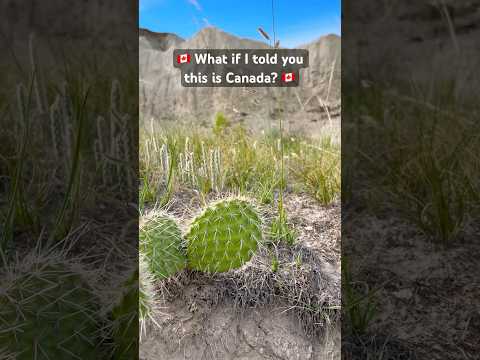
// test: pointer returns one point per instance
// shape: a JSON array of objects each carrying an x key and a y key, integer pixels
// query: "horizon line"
[{"x": 231, "y": 34}]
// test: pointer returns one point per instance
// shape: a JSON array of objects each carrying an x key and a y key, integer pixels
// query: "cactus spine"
[
  {"x": 136, "y": 307},
  {"x": 48, "y": 311}
]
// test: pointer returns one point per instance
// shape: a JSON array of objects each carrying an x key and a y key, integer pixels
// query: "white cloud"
[
  {"x": 196, "y": 4},
  {"x": 206, "y": 22}
]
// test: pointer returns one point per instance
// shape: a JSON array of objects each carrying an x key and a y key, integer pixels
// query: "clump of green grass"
[
  {"x": 423, "y": 162},
  {"x": 280, "y": 230},
  {"x": 220, "y": 124},
  {"x": 275, "y": 264},
  {"x": 358, "y": 306},
  {"x": 238, "y": 162},
  {"x": 82, "y": 149},
  {"x": 317, "y": 168}
]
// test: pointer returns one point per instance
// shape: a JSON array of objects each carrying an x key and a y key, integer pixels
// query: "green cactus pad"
[
  {"x": 146, "y": 296},
  {"x": 133, "y": 310},
  {"x": 224, "y": 236},
  {"x": 48, "y": 311},
  {"x": 125, "y": 320},
  {"x": 161, "y": 242}
]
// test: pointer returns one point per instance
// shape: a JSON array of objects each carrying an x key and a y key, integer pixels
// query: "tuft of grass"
[
  {"x": 275, "y": 264},
  {"x": 280, "y": 230},
  {"x": 237, "y": 162},
  {"x": 81, "y": 151},
  {"x": 430, "y": 171},
  {"x": 220, "y": 124},
  {"x": 318, "y": 169},
  {"x": 359, "y": 307}
]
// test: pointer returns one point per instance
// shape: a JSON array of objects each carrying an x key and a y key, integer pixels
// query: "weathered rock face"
[
  {"x": 158, "y": 41},
  {"x": 163, "y": 98}
]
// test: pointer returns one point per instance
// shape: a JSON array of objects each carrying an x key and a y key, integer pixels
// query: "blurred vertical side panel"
[
  {"x": 410, "y": 180},
  {"x": 68, "y": 179}
]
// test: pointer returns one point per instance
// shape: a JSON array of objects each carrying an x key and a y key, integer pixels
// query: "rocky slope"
[{"x": 307, "y": 107}]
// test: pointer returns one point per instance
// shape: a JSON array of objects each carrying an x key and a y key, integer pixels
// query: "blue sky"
[{"x": 296, "y": 21}]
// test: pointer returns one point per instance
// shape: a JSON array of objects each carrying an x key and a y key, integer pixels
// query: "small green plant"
[
  {"x": 280, "y": 230},
  {"x": 433, "y": 193},
  {"x": 17, "y": 207},
  {"x": 224, "y": 236},
  {"x": 170, "y": 170},
  {"x": 317, "y": 168},
  {"x": 423, "y": 160},
  {"x": 220, "y": 124},
  {"x": 147, "y": 193},
  {"x": 358, "y": 308},
  {"x": 49, "y": 311},
  {"x": 298, "y": 261},
  {"x": 161, "y": 242},
  {"x": 275, "y": 264},
  {"x": 266, "y": 191}
]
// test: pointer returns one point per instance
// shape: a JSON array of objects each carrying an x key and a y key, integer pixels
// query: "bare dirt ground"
[
  {"x": 430, "y": 286},
  {"x": 255, "y": 313}
]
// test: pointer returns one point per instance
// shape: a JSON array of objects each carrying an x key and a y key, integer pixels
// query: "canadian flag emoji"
[
  {"x": 288, "y": 77},
  {"x": 183, "y": 58}
]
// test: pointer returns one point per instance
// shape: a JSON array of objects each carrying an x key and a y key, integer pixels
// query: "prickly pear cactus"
[
  {"x": 146, "y": 296},
  {"x": 161, "y": 242},
  {"x": 133, "y": 311},
  {"x": 48, "y": 311},
  {"x": 224, "y": 236},
  {"x": 125, "y": 320}
]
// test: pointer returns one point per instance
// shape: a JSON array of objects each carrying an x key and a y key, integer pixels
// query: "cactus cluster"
[
  {"x": 131, "y": 311},
  {"x": 224, "y": 236},
  {"x": 134, "y": 310},
  {"x": 125, "y": 323},
  {"x": 221, "y": 238},
  {"x": 162, "y": 244},
  {"x": 49, "y": 311}
]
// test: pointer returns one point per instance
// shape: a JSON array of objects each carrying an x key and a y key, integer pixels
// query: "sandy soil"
[{"x": 428, "y": 296}]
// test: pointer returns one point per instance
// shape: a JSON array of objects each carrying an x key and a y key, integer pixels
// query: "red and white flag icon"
[
  {"x": 288, "y": 77},
  {"x": 183, "y": 58}
]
